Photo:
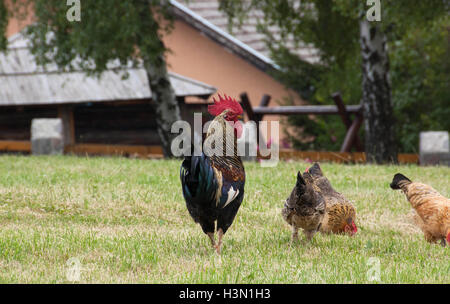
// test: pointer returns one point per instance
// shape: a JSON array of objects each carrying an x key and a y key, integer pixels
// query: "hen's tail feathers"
[
  {"x": 315, "y": 170},
  {"x": 399, "y": 179},
  {"x": 300, "y": 185}
]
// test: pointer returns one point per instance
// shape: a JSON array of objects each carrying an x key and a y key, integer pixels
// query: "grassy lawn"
[{"x": 125, "y": 220}]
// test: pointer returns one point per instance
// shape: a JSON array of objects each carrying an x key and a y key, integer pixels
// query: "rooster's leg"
[
  {"x": 219, "y": 242},
  {"x": 443, "y": 242},
  {"x": 211, "y": 237}
]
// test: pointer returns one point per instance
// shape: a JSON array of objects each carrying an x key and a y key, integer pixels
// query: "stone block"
[
  {"x": 434, "y": 148},
  {"x": 47, "y": 137}
]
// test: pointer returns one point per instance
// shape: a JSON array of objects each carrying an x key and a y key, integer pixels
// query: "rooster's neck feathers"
[
  {"x": 227, "y": 162},
  {"x": 221, "y": 132}
]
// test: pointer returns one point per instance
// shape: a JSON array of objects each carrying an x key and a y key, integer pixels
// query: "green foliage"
[
  {"x": 420, "y": 80},
  {"x": 109, "y": 30},
  {"x": 3, "y": 25},
  {"x": 336, "y": 37},
  {"x": 418, "y": 46},
  {"x": 316, "y": 85}
]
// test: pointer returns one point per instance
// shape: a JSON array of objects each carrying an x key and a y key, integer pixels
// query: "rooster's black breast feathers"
[
  {"x": 212, "y": 188},
  {"x": 198, "y": 181}
]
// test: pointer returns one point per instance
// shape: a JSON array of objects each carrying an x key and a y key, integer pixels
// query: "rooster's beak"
[{"x": 240, "y": 116}]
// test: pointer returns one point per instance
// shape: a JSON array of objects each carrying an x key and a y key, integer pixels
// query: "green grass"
[{"x": 126, "y": 221}]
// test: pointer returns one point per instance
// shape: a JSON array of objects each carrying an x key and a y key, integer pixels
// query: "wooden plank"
[
  {"x": 302, "y": 110},
  {"x": 339, "y": 157},
  {"x": 15, "y": 145},
  {"x": 347, "y": 121},
  {"x": 247, "y": 106},
  {"x": 66, "y": 114},
  {"x": 125, "y": 150},
  {"x": 265, "y": 100},
  {"x": 341, "y": 109},
  {"x": 352, "y": 134},
  {"x": 263, "y": 103},
  {"x": 319, "y": 156},
  {"x": 408, "y": 158},
  {"x": 156, "y": 152}
]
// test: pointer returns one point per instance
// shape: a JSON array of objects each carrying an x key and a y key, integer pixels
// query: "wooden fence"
[
  {"x": 156, "y": 152},
  {"x": 353, "y": 125},
  {"x": 256, "y": 114}
]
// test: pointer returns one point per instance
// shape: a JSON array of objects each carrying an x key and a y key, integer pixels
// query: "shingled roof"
[
  {"x": 246, "y": 41},
  {"x": 23, "y": 82}
]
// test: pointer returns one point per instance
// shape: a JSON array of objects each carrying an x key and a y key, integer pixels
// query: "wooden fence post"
[
  {"x": 351, "y": 138},
  {"x": 65, "y": 112}
]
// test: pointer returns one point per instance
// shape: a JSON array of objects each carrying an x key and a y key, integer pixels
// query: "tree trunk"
[
  {"x": 376, "y": 95},
  {"x": 164, "y": 100}
]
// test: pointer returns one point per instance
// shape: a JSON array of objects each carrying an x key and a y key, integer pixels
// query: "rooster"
[
  {"x": 304, "y": 208},
  {"x": 213, "y": 185},
  {"x": 432, "y": 208},
  {"x": 340, "y": 214}
]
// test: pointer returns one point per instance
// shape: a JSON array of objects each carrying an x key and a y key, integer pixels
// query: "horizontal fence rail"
[
  {"x": 156, "y": 152},
  {"x": 305, "y": 110}
]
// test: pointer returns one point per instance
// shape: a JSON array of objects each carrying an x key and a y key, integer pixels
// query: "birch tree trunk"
[
  {"x": 380, "y": 142},
  {"x": 163, "y": 100}
]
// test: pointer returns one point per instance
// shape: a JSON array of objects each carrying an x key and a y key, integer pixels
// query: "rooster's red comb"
[{"x": 223, "y": 104}]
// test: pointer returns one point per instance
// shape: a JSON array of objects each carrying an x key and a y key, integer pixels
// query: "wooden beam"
[
  {"x": 302, "y": 110},
  {"x": 319, "y": 156},
  {"x": 338, "y": 157},
  {"x": 126, "y": 150},
  {"x": 352, "y": 134},
  {"x": 247, "y": 106},
  {"x": 15, "y": 145},
  {"x": 404, "y": 158},
  {"x": 66, "y": 114},
  {"x": 341, "y": 109},
  {"x": 262, "y": 104},
  {"x": 265, "y": 100},
  {"x": 345, "y": 116},
  {"x": 156, "y": 152}
]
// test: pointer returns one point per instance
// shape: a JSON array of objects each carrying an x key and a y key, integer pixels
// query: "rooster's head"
[{"x": 230, "y": 109}]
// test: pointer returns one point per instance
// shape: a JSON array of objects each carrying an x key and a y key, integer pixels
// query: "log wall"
[
  {"x": 15, "y": 122},
  {"x": 115, "y": 123}
]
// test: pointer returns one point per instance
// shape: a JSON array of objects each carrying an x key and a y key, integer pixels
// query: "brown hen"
[
  {"x": 340, "y": 214},
  {"x": 304, "y": 208},
  {"x": 432, "y": 208}
]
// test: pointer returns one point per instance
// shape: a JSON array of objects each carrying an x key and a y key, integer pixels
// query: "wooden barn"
[
  {"x": 100, "y": 115},
  {"x": 202, "y": 48}
]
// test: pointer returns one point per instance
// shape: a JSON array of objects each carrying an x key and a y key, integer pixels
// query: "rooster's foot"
[{"x": 211, "y": 237}]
